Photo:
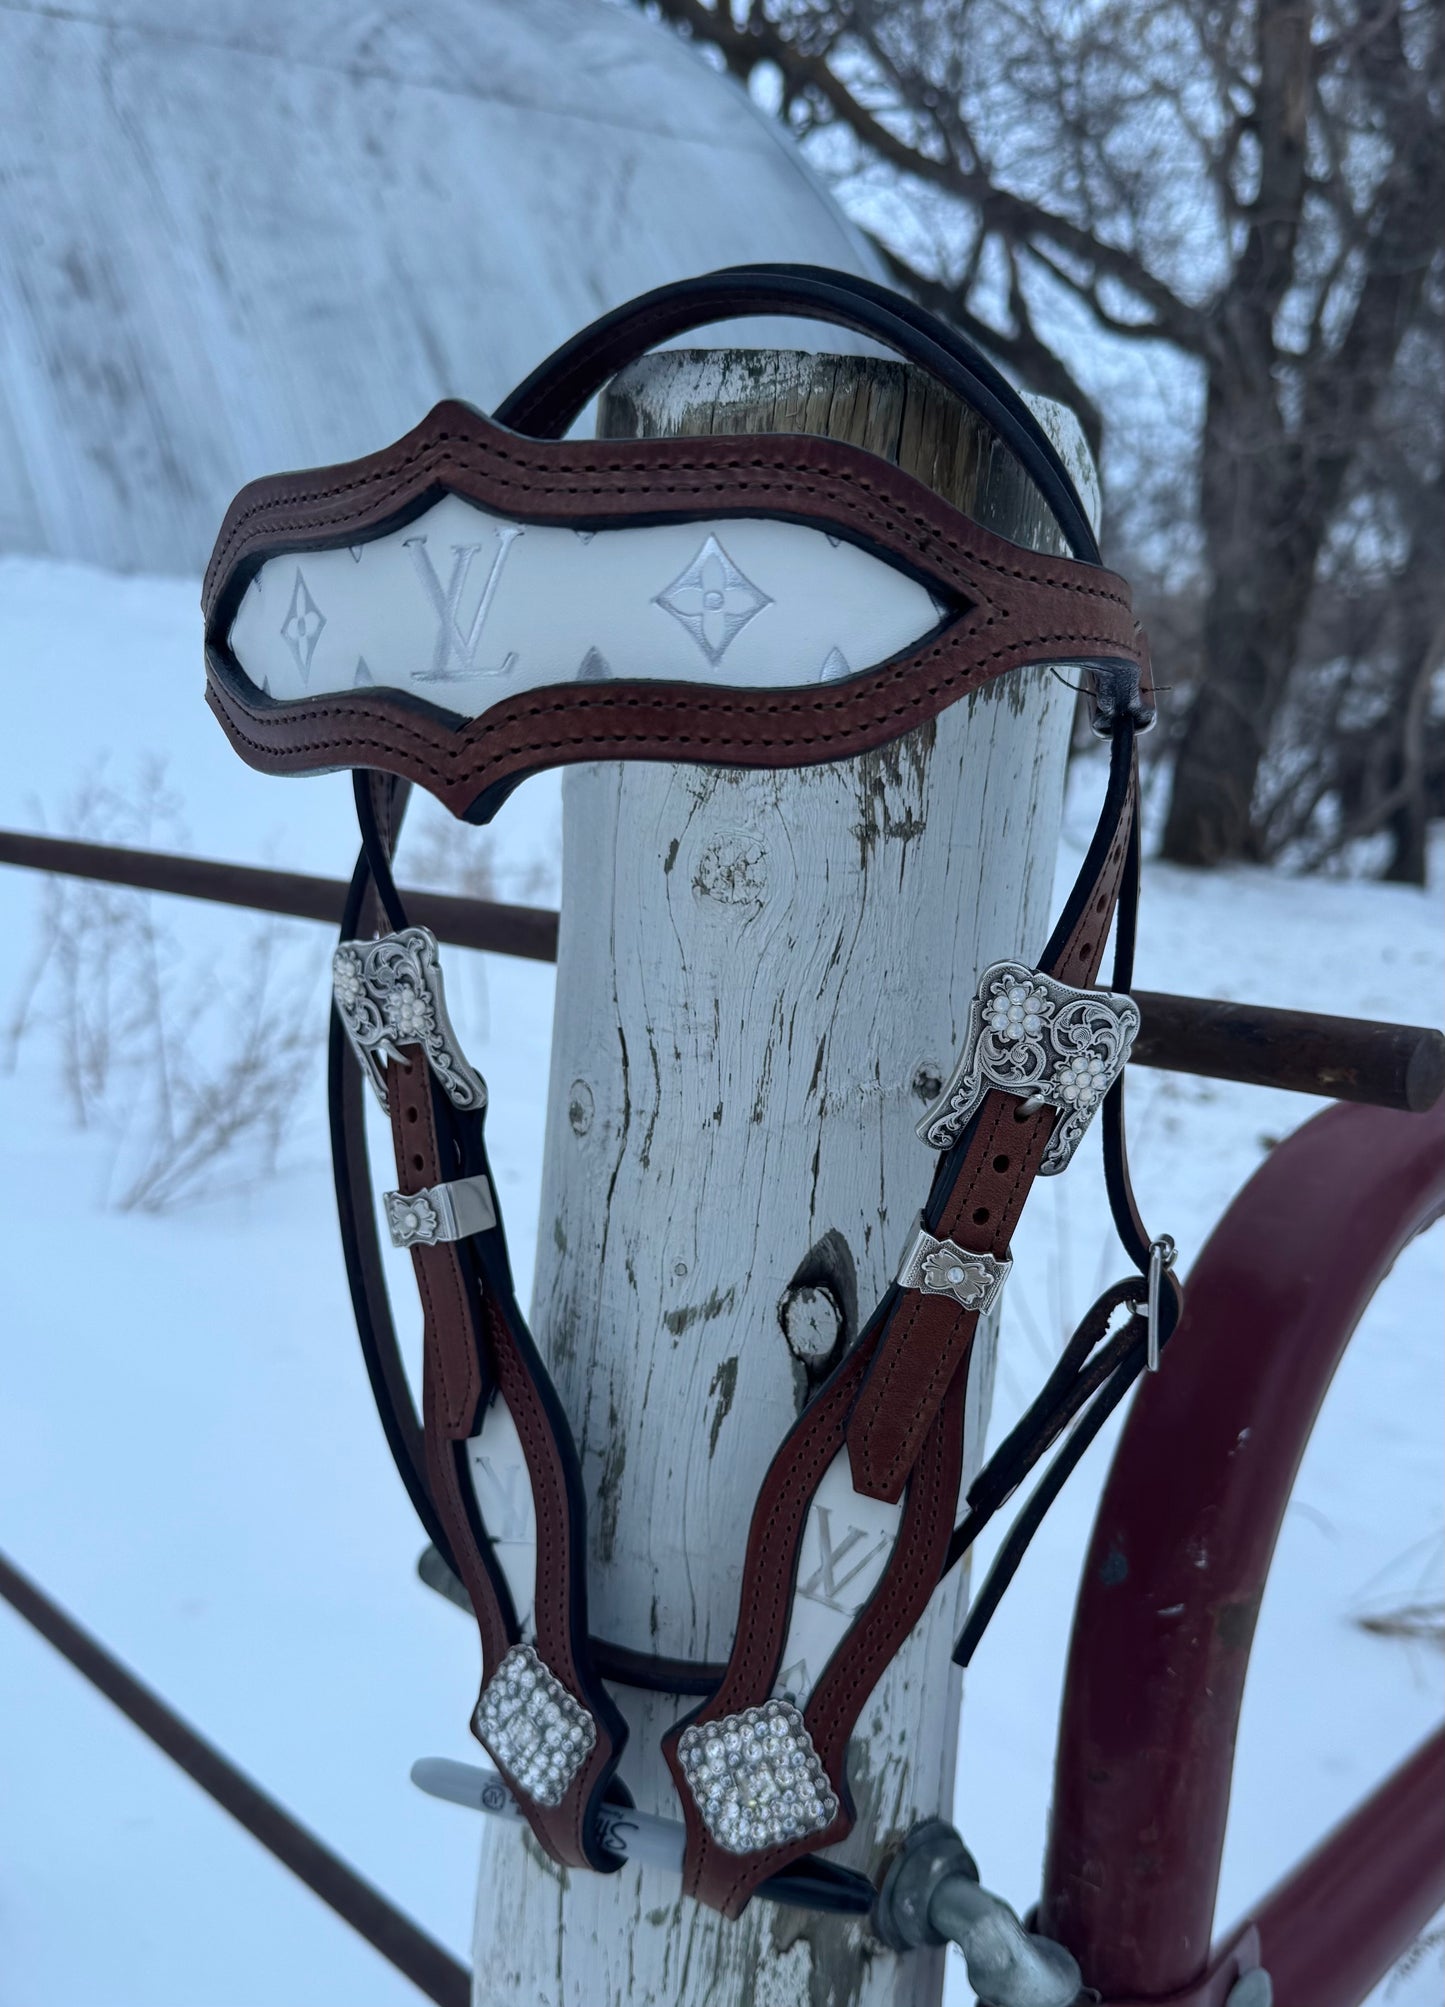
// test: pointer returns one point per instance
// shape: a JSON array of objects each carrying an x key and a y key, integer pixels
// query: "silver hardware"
[
  {"x": 756, "y": 1778},
  {"x": 539, "y": 1734},
  {"x": 931, "y": 1895},
  {"x": 389, "y": 995},
  {"x": 452, "y": 1211},
  {"x": 943, "y": 1268},
  {"x": 1161, "y": 1256},
  {"x": 1053, "y": 1045}
]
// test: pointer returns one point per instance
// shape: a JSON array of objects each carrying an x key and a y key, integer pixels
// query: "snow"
[{"x": 189, "y": 1461}]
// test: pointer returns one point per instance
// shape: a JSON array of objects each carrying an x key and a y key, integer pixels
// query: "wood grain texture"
[{"x": 761, "y": 979}]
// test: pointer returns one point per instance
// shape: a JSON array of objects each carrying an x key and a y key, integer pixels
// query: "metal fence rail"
[
  {"x": 1345, "y": 1059},
  {"x": 402, "y": 1943}
]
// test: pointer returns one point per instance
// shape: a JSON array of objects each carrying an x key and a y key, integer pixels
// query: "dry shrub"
[{"x": 191, "y": 1063}]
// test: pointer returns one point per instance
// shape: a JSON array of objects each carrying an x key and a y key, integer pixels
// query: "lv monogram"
[
  {"x": 829, "y": 1579},
  {"x": 504, "y": 1508},
  {"x": 455, "y": 656}
]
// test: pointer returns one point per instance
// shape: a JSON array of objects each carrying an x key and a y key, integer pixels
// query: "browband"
[
  {"x": 471, "y": 604},
  {"x": 484, "y": 599}
]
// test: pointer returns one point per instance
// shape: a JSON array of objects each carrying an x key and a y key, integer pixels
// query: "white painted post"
[{"x": 762, "y": 978}]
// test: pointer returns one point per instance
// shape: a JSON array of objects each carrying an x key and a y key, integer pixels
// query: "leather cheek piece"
[
  {"x": 927, "y": 1338},
  {"x": 461, "y": 1362},
  {"x": 711, "y": 1873},
  {"x": 1014, "y": 606}
]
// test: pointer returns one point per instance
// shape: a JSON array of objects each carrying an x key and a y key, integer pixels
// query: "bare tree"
[{"x": 1247, "y": 189}]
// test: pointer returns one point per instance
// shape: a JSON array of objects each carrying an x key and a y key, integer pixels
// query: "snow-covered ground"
[{"x": 189, "y": 1461}]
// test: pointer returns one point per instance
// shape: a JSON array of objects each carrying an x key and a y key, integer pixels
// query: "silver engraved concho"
[
  {"x": 539, "y": 1734},
  {"x": 943, "y": 1268},
  {"x": 1057, "y": 1046},
  {"x": 453, "y": 1211},
  {"x": 389, "y": 994},
  {"x": 756, "y": 1778}
]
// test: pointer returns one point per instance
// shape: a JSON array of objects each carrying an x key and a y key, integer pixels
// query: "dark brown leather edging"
[{"x": 1015, "y": 606}]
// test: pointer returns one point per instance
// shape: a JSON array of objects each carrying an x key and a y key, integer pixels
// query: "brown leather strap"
[
  {"x": 929, "y": 1337},
  {"x": 712, "y": 1874},
  {"x": 463, "y": 1356},
  {"x": 453, "y": 1341}
]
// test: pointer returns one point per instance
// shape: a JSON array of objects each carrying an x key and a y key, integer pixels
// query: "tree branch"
[
  {"x": 1016, "y": 218},
  {"x": 1024, "y": 351}
]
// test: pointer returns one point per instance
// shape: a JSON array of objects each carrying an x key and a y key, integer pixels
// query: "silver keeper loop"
[
  {"x": 452, "y": 1211},
  {"x": 943, "y": 1268},
  {"x": 1051, "y": 1044},
  {"x": 1161, "y": 1256},
  {"x": 389, "y": 995}
]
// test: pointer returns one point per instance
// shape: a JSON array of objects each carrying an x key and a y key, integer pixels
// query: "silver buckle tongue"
[
  {"x": 943, "y": 1268},
  {"x": 389, "y": 994},
  {"x": 1051, "y": 1044},
  {"x": 439, "y": 1212},
  {"x": 1161, "y": 1256}
]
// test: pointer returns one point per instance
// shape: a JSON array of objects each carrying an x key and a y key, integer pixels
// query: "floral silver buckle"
[
  {"x": 389, "y": 994},
  {"x": 1054, "y": 1045},
  {"x": 943, "y": 1268},
  {"x": 452, "y": 1211}
]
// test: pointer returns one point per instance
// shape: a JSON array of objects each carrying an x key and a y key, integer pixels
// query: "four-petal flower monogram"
[
  {"x": 713, "y": 600},
  {"x": 301, "y": 629}
]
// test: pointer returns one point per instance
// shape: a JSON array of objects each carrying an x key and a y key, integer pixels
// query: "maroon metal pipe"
[
  {"x": 1333, "y": 1928},
  {"x": 1184, "y": 1536}
]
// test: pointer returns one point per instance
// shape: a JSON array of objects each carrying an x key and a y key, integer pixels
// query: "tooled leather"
[
  {"x": 1020, "y": 606},
  {"x": 929, "y": 1337}
]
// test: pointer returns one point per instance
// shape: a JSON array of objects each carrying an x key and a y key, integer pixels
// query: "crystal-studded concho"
[
  {"x": 756, "y": 1778},
  {"x": 1053, "y": 1044},
  {"x": 539, "y": 1734},
  {"x": 389, "y": 995},
  {"x": 943, "y": 1268}
]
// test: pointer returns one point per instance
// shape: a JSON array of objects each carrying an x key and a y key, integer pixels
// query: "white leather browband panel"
[{"x": 464, "y": 608}]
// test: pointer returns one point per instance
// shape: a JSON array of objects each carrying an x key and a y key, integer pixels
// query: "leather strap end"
[{"x": 896, "y": 1406}]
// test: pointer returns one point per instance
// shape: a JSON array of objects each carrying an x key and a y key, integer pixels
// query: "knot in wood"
[{"x": 812, "y": 1321}]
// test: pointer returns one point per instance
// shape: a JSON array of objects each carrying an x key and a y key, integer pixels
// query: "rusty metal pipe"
[
  {"x": 1347, "y": 1059},
  {"x": 1182, "y": 1544}
]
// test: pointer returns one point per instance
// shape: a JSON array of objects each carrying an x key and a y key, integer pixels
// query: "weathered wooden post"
[{"x": 763, "y": 977}]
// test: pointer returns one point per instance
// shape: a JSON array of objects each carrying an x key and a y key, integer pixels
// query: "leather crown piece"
[{"x": 484, "y": 599}]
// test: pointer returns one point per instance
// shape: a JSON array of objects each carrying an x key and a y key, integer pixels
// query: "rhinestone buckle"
[
  {"x": 756, "y": 1778},
  {"x": 1053, "y": 1045},
  {"x": 451, "y": 1211},
  {"x": 943, "y": 1268},
  {"x": 539, "y": 1734},
  {"x": 389, "y": 994}
]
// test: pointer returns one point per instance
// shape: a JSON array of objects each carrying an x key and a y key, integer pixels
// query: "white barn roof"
[{"x": 248, "y": 234}]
